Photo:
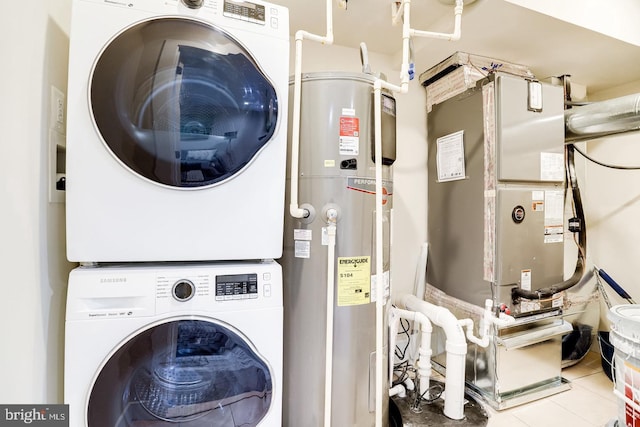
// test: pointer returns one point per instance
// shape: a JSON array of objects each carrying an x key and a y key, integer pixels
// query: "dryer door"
[
  {"x": 181, "y": 103},
  {"x": 191, "y": 372}
]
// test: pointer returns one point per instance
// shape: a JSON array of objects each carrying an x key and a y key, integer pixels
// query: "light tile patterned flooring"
[{"x": 590, "y": 402}]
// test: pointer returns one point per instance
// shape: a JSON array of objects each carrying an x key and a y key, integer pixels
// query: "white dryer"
[
  {"x": 176, "y": 138},
  {"x": 193, "y": 345}
]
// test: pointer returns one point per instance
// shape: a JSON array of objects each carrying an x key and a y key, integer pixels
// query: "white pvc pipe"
[
  {"x": 456, "y": 347},
  {"x": 424, "y": 358},
  {"x": 484, "y": 328},
  {"x": 332, "y": 215},
  {"x": 377, "y": 99},
  {"x": 457, "y": 26},
  {"x": 403, "y": 88},
  {"x": 294, "y": 210},
  {"x": 397, "y": 390}
]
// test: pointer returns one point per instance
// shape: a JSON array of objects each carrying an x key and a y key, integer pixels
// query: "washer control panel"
[{"x": 236, "y": 286}]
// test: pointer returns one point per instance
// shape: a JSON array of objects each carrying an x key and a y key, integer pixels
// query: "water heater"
[{"x": 336, "y": 172}]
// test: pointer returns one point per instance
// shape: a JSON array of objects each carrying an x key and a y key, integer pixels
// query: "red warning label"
[
  {"x": 349, "y": 126},
  {"x": 349, "y": 141}
]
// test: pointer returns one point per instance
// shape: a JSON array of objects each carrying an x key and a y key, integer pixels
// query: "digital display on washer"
[
  {"x": 236, "y": 286},
  {"x": 245, "y": 11}
]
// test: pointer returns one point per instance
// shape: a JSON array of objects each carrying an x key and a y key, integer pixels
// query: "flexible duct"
[{"x": 602, "y": 118}]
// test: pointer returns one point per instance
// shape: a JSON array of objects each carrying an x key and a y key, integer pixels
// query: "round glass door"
[
  {"x": 190, "y": 372},
  {"x": 181, "y": 103}
]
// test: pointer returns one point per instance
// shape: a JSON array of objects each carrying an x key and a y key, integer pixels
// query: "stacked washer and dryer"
[{"x": 176, "y": 152}]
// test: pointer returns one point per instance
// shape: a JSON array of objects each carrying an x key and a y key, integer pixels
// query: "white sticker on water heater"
[
  {"x": 302, "y": 234},
  {"x": 302, "y": 249}
]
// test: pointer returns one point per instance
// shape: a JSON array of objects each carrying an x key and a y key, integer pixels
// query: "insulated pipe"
[
  {"x": 294, "y": 210},
  {"x": 456, "y": 347},
  {"x": 603, "y": 118},
  {"x": 332, "y": 216}
]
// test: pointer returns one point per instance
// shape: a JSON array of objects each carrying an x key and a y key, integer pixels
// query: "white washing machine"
[
  {"x": 193, "y": 345},
  {"x": 176, "y": 130}
]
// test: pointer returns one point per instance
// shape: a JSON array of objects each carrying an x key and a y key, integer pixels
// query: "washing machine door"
[
  {"x": 191, "y": 372},
  {"x": 181, "y": 103}
]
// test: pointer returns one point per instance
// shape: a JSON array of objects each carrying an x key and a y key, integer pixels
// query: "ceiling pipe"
[
  {"x": 294, "y": 209},
  {"x": 399, "y": 10},
  {"x": 603, "y": 118}
]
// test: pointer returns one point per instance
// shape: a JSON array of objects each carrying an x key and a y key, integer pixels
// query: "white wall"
[
  {"x": 32, "y": 258},
  {"x": 409, "y": 170},
  {"x": 612, "y": 203},
  {"x": 614, "y": 18}
]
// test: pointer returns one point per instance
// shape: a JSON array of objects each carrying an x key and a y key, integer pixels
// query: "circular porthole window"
[{"x": 181, "y": 103}]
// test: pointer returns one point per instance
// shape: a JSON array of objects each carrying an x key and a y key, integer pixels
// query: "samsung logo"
[{"x": 113, "y": 280}]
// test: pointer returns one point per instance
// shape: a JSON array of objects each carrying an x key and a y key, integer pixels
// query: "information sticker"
[
  {"x": 349, "y": 135},
  {"x": 354, "y": 280},
  {"x": 450, "y": 157}
]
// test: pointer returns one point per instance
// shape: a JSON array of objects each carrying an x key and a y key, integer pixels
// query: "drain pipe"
[
  {"x": 406, "y": 70},
  {"x": 456, "y": 347},
  {"x": 332, "y": 217},
  {"x": 424, "y": 358},
  {"x": 295, "y": 210}
]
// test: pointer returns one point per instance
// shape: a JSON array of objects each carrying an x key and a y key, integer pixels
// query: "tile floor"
[{"x": 590, "y": 402}]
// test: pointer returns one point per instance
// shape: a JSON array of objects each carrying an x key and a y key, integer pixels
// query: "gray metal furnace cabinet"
[
  {"x": 496, "y": 190},
  {"x": 496, "y": 221}
]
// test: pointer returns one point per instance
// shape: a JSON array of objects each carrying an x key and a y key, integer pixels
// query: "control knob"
[
  {"x": 193, "y": 4},
  {"x": 183, "y": 290}
]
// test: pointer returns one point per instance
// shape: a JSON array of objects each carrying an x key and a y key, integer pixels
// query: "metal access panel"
[
  {"x": 528, "y": 253},
  {"x": 495, "y": 218},
  {"x": 529, "y": 125}
]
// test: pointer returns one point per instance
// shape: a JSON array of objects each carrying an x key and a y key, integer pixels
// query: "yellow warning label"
[{"x": 354, "y": 280}]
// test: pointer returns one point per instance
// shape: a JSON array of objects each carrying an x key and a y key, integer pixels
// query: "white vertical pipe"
[
  {"x": 424, "y": 359},
  {"x": 294, "y": 210},
  {"x": 379, "y": 84},
  {"x": 332, "y": 215},
  {"x": 377, "y": 99},
  {"x": 297, "y": 212}
]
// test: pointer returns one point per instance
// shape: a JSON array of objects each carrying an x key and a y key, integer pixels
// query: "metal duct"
[{"x": 603, "y": 118}]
